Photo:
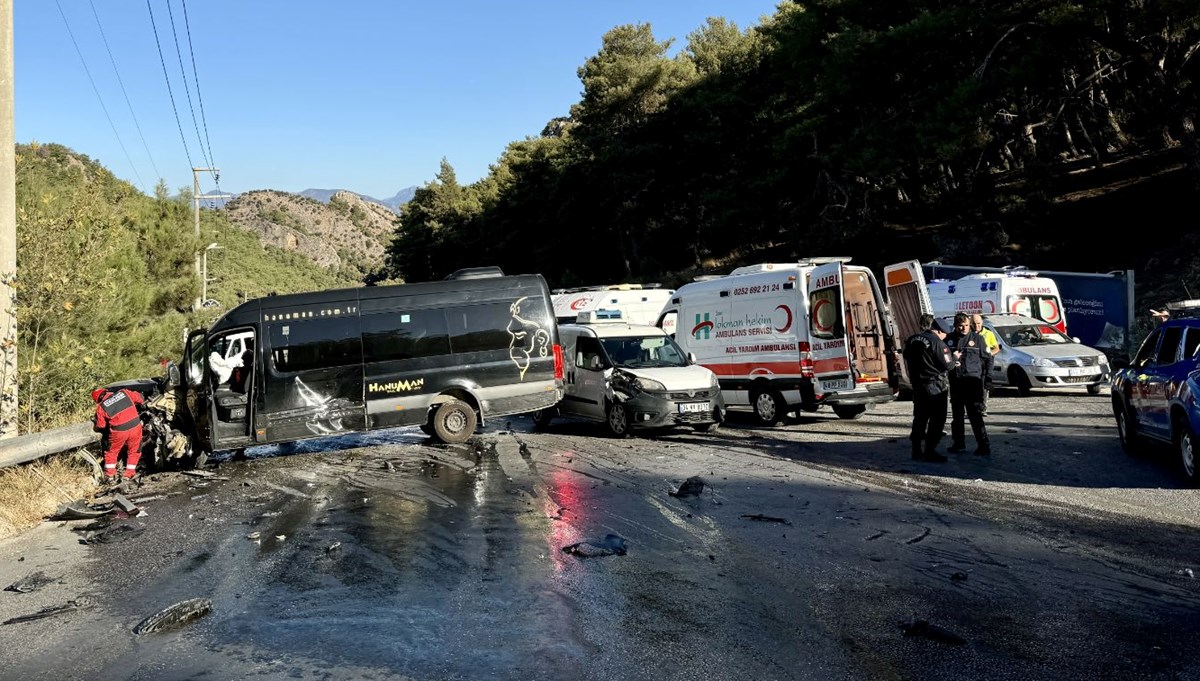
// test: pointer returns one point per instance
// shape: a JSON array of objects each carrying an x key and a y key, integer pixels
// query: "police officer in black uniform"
[
  {"x": 967, "y": 383},
  {"x": 928, "y": 360}
]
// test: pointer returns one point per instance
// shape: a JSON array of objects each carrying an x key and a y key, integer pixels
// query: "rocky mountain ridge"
[
  {"x": 347, "y": 233},
  {"x": 394, "y": 202}
]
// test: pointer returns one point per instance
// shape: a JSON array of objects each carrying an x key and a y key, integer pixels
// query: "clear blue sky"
[{"x": 298, "y": 94}]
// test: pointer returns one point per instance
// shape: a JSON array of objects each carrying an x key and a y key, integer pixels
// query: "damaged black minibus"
[{"x": 444, "y": 355}]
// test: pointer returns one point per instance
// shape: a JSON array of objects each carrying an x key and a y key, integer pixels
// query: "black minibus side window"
[
  {"x": 315, "y": 344},
  {"x": 400, "y": 335},
  {"x": 476, "y": 328}
]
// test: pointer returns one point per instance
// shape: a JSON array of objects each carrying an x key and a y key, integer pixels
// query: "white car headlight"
[
  {"x": 712, "y": 380},
  {"x": 1103, "y": 359},
  {"x": 1043, "y": 362},
  {"x": 651, "y": 385}
]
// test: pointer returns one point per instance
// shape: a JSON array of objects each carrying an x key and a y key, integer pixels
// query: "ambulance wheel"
[
  {"x": 769, "y": 407},
  {"x": 849, "y": 411},
  {"x": 617, "y": 418},
  {"x": 454, "y": 421},
  {"x": 543, "y": 417}
]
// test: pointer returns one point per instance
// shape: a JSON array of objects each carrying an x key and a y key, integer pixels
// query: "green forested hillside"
[
  {"x": 1043, "y": 133},
  {"x": 105, "y": 279}
]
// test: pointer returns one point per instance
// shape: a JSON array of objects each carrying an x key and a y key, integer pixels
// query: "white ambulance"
[
  {"x": 1016, "y": 291},
  {"x": 637, "y": 304},
  {"x": 789, "y": 336}
]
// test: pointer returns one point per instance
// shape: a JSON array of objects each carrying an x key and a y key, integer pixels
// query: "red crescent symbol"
[
  {"x": 991, "y": 306},
  {"x": 1054, "y": 315},
  {"x": 816, "y": 315},
  {"x": 787, "y": 311},
  {"x": 582, "y": 302}
]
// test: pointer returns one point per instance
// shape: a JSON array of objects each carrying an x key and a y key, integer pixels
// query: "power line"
[
  {"x": 186, "y": 89},
  {"x": 196, "y": 80},
  {"x": 123, "y": 92},
  {"x": 187, "y": 152},
  {"x": 203, "y": 119},
  {"x": 98, "y": 97}
]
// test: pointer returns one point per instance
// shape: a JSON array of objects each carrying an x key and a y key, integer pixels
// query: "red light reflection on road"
[{"x": 565, "y": 506}]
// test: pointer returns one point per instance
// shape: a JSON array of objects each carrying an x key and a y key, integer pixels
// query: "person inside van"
[{"x": 222, "y": 368}]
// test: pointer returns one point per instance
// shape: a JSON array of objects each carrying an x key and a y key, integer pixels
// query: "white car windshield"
[
  {"x": 1024, "y": 335},
  {"x": 643, "y": 352}
]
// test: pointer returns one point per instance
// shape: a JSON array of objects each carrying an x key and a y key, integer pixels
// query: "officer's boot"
[{"x": 917, "y": 452}]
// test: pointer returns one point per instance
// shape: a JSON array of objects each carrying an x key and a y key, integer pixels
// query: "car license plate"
[
  {"x": 836, "y": 384},
  {"x": 1080, "y": 371},
  {"x": 689, "y": 407}
]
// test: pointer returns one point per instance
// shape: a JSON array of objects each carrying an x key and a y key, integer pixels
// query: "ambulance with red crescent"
[
  {"x": 783, "y": 337},
  {"x": 637, "y": 303},
  {"x": 1017, "y": 291}
]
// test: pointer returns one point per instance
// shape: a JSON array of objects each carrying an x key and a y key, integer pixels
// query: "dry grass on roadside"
[{"x": 27, "y": 498}]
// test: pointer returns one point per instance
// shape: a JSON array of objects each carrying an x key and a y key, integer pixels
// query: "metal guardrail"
[{"x": 26, "y": 448}]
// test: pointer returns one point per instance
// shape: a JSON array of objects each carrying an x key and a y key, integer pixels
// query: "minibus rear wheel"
[{"x": 454, "y": 421}]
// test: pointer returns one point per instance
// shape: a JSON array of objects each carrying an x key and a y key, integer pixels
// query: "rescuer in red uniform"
[{"x": 117, "y": 418}]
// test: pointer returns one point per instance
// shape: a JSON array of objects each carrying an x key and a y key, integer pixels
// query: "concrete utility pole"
[
  {"x": 8, "y": 230},
  {"x": 201, "y": 271}
]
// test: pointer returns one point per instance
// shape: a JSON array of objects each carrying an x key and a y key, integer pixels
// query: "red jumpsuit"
[{"x": 117, "y": 414}]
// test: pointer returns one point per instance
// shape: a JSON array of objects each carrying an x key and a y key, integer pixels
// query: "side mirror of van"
[
  {"x": 173, "y": 379},
  {"x": 691, "y": 358},
  {"x": 1076, "y": 339}
]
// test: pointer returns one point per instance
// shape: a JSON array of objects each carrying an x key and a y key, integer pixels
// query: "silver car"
[{"x": 1034, "y": 354}]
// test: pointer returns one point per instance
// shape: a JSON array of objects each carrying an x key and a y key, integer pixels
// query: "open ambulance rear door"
[
  {"x": 827, "y": 326},
  {"x": 908, "y": 299}
]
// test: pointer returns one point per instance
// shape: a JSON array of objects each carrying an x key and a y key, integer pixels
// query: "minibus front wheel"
[{"x": 454, "y": 421}]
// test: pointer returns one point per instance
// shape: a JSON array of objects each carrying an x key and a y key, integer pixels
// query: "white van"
[
  {"x": 632, "y": 376},
  {"x": 637, "y": 304},
  {"x": 789, "y": 336},
  {"x": 1017, "y": 291}
]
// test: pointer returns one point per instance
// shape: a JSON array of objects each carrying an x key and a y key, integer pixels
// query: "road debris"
[
  {"x": 175, "y": 616},
  {"x": 254, "y": 535},
  {"x": 113, "y": 535},
  {"x": 692, "y": 487},
  {"x": 80, "y": 511},
  {"x": 611, "y": 545},
  {"x": 32, "y": 582},
  {"x": 932, "y": 632},
  {"x": 333, "y": 547},
  {"x": 767, "y": 519},
  {"x": 81, "y": 603},
  {"x": 958, "y": 577}
]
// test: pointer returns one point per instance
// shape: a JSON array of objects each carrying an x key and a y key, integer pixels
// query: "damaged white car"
[{"x": 631, "y": 376}]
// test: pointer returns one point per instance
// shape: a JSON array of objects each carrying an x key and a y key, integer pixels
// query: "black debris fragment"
[
  {"x": 611, "y": 545},
  {"x": 932, "y": 632},
  {"x": 691, "y": 487},
  {"x": 958, "y": 577},
  {"x": 81, "y": 603},
  {"x": 116, "y": 534},
  {"x": 32, "y": 582},
  {"x": 767, "y": 519},
  {"x": 175, "y": 616},
  {"x": 80, "y": 511}
]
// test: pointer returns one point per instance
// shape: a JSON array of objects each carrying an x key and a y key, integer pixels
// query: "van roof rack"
[{"x": 476, "y": 273}]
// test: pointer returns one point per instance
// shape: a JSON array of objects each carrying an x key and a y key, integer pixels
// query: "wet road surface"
[{"x": 817, "y": 550}]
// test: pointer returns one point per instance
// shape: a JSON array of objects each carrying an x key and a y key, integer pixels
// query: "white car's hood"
[
  {"x": 1055, "y": 351},
  {"x": 694, "y": 377}
]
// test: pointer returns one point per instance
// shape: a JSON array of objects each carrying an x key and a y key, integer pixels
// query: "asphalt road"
[{"x": 817, "y": 550}]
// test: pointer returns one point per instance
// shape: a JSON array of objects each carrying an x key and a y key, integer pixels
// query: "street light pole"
[{"x": 204, "y": 273}]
